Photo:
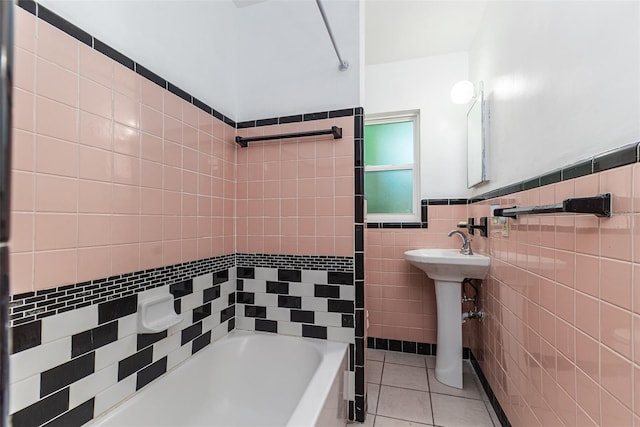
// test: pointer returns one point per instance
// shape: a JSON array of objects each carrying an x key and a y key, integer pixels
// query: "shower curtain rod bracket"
[{"x": 344, "y": 65}]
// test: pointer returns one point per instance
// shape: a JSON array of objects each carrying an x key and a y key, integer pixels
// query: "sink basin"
[
  {"x": 448, "y": 264},
  {"x": 448, "y": 268}
]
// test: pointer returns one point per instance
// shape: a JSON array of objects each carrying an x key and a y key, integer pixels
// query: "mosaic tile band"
[
  {"x": 32, "y": 306},
  {"x": 296, "y": 262}
]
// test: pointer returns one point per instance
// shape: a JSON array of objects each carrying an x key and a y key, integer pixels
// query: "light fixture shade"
[{"x": 462, "y": 92}]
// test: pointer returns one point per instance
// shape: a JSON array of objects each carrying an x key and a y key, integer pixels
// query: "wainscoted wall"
[
  {"x": 562, "y": 339},
  {"x": 112, "y": 173},
  {"x": 127, "y": 185},
  {"x": 400, "y": 298},
  {"x": 300, "y": 225},
  {"x": 560, "y": 344},
  {"x": 314, "y": 303},
  {"x": 74, "y": 366},
  {"x": 295, "y": 196}
]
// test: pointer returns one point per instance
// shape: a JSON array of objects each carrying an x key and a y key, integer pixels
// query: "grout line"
[{"x": 433, "y": 417}]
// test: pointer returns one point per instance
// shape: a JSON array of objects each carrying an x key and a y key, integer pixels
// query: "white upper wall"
[
  {"x": 264, "y": 60},
  {"x": 286, "y": 63},
  {"x": 192, "y": 44},
  {"x": 425, "y": 84},
  {"x": 562, "y": 80}
]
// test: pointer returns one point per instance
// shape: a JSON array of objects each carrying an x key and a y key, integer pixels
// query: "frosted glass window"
[
  {"x": 389, "y": 191},
  {"x": 388, "y": 144},
  {"x": 391, "y": 173}
]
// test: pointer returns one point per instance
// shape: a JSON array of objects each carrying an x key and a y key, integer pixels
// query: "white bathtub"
[{"x": 245, "y": 379}]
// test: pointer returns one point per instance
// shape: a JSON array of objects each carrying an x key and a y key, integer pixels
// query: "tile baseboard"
[{"x": 428, "y": 349}]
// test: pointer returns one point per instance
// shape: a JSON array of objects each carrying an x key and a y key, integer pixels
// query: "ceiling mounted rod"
[
  {"x": 343, "y": 64},
  {"x": 335, "y": 131}
]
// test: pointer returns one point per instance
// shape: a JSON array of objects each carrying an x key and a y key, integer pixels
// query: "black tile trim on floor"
[
  {"x": 413, "y": 347},
  {"x": 502, "y": 417}
]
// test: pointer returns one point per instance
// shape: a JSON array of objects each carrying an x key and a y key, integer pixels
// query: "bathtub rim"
[{"x": 307, "y": 408}]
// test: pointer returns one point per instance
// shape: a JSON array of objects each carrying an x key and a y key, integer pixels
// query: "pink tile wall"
[
  {"x": 296, "y": 196},
  {"x": 112, "y": 174},
  {"x": 561, "y": 341},
  {"x": 401, "y": 298}
]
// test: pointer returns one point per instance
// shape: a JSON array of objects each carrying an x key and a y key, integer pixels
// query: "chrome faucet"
[{"x": 466, "y": 242}]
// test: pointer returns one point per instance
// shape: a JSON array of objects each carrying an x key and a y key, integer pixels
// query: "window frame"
[{"x": 396, "y": 117}]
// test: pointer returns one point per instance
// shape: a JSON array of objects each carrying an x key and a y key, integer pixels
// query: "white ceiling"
[{"x": 397, "y": 30}]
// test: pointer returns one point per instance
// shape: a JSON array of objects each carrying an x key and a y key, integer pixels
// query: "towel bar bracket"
[{"x": 599, "y": 205}]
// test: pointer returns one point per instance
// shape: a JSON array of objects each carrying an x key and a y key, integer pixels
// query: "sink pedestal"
[
  {"x": 448, "y": 268},
  {"x": 449, "y": 351}
]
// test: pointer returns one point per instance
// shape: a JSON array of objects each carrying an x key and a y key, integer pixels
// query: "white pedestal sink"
[{"x": 448, "y": 268}]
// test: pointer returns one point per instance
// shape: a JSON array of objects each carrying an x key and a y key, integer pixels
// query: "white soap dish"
[{"x": 156, "y": 314}]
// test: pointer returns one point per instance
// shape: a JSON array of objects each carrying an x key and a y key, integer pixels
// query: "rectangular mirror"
[{"x": 476, "y": 170}]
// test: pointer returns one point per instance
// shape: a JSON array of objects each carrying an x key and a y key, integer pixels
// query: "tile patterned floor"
[{"x": 403, "y": 391}]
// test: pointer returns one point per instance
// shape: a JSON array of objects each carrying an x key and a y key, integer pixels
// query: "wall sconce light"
[{"x": 462, "y": 92}]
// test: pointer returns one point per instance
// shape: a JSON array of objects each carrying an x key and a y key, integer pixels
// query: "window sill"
[{"x": 397, "y": 224}]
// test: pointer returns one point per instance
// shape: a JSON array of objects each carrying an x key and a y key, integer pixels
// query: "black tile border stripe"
[
  {"x": 358, "y": 413},
  {"x": 622, "y": 156},
  {"x": 64, "y": 25},
  {"x": 296, "y": 262},
  {"x": 151, "y": 76},
  {"x": 424, "y": 218},
  {"x": 32, "y": 306},
  {"x": 29, "y": 5},
  {"x": 64, "y": 298},
  {"x": 179, "y": 92},
  {"x": 413, "y": 347},
  {"x": 114, "y": 54},
  {"x": 67, "y": 27}
]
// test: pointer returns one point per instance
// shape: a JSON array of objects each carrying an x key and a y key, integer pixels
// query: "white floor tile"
[
  {"x": 405, "y": 376},
  {"x": 368, "y": 421},
  {"x": 405, "y": 359},
  {"x": 452, "y": 411},
  {"x": 492, "y": 414},
  {"x": 392, "y": 422},
  {"x": 373, "y": 390},
  {"x": 470, "y": 389},
  {"x": 431, "y": 362},
  {"x": 409, "y": 405},
  {"x": 373, "y": 371},
  {"x": 373, "y": 354}
]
